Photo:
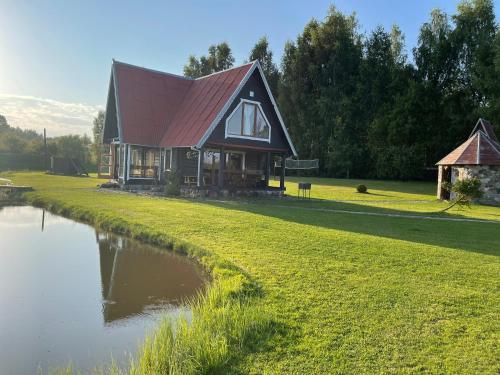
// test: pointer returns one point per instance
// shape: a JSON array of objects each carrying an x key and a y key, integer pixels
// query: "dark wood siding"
[
  {"x": 278, "y": 138},
  {"x": 111, "y": 120},
  {"x": 187, "y": 166}
]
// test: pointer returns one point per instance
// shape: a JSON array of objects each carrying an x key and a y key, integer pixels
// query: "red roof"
[
  {"x": 480, "y": 149},
  {"x": 161, "y": 109}
]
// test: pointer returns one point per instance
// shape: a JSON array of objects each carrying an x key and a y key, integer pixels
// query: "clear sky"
[{"x": 55, "y": 55}]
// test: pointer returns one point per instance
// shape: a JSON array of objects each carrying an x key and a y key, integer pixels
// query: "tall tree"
[
  {"x": 262, "y": 53},
  {"x": 97, "y": 133},
  {"x": 320, "y": 74},
  {"x": 219, "y": 58},
  {"x": 3, "y": 122}
]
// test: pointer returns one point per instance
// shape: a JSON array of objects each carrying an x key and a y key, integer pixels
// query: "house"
[
  {"x": 478, "y": 156},
  {"x": 219, "y": 133}
]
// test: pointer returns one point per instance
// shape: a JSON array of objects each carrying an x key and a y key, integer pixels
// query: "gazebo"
[{"x": 478, "y": 156}]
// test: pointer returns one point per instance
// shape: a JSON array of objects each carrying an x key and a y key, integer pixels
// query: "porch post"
[
  {"x": 127, "y": 150},
  {"x": 222, "y": 167},
  {"x": 201, "y": 154},
  {"x": 282, "y": 175},
  {"x": 439, "y": 182},
  {"x": 268, "y": 168}
]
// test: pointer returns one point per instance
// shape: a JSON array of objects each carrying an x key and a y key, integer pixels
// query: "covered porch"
[
  {"x": 207, "y": 171},
  {"x": 236, "y": 168}
]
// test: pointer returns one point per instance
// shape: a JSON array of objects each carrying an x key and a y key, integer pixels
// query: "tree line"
[
  {"x": 363, "y": 107},
  {"x": 356, "y": 101},
  {"x": 28, "y": 146}
]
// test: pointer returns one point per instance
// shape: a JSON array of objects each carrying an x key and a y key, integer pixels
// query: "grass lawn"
[{"x": 347, "y": 293}]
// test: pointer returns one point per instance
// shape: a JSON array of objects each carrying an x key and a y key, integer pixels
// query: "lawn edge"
[{"x": 230, "y": 294}]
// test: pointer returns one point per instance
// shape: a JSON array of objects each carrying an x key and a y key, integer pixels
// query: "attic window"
[{"x": 248, "y": 121}]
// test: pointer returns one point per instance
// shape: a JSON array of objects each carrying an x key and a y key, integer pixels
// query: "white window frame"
[
  {"x": 129, "y": 177},
  {"x": 229, "y": 135}
]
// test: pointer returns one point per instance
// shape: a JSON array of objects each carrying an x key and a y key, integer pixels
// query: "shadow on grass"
[
  {"x": 480, "y": 237},
  {"x": 405, "y": 187}
]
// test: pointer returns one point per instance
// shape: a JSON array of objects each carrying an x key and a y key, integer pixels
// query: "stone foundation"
[
  {"x": 489, "y": 175},
  {"x": 196, "y": 192}
]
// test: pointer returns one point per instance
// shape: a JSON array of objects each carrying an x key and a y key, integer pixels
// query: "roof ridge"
[
  {"x": 226, "y": 70},
  {"x": 478, "y": 151},
  {"x": 152, "y": 70}
]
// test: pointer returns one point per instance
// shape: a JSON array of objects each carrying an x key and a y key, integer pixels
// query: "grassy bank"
[{"x": 345, "y": 293}]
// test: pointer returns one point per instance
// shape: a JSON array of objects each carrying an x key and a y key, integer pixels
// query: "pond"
[{"x": 69, "y": 292}]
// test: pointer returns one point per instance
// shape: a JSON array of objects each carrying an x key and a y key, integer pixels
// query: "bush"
[
  {"x": 173, "y": 183},
  {"x": 466, "y": 190},
  {"x": 362, "y": 189}
]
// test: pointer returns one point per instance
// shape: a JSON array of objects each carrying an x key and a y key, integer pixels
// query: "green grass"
[{"x": 328, "y": 292}]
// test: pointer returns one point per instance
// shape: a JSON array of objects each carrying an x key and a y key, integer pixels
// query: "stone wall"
[
  {"x": 207, "y": 192},
  {"x": 489, "y": 177}
]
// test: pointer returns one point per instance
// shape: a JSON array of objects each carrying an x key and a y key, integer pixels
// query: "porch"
[
  {"x": 226, "y": 172},
  {"x": 205, "y": 172}
]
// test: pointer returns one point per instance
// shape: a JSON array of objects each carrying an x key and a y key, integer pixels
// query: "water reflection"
[
  {"x": 136, "y": 277},
  {"x": 71, "y": 293}
]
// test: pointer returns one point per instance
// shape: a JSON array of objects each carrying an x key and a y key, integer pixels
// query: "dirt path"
[{"x": 406, "y": 216}]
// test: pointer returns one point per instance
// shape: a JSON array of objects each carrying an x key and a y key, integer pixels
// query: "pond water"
[{"x": 69, "y": 292}]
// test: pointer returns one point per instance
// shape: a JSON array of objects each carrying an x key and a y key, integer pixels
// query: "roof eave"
[{"x": 117, "y": 101}]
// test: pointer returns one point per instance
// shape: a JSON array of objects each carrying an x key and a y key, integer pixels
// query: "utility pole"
[{"x": 45, "y": 148}]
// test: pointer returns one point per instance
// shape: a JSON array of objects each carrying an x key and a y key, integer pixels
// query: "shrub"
[
  {"x": 173, "y": 183},
  {"x": 361, "y": 189},
  {"x": 466, "y": 190}
]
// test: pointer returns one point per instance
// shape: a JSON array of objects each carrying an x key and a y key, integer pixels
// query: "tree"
[
  {"x": 73, "y": 146},
  {"x": 398, "y": 46},
  {"x": 219, "y": 58},
  {"x": 318, "y": 93},
  {"x": 97, "y": 132},
  {"x": 12, "y": 143},
  {"x": 262, "y": 53},
  {"x": 466, "y": 190},
  {"x": 3, "y": 123}
]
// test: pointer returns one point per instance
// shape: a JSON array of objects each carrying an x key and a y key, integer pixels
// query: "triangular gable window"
[{"x": 249, "y": 122}]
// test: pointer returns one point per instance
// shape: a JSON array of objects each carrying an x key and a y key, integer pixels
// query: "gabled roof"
[
  {"x": 202, "y": 103},
  {"x": 161, "y": 109},
  {"x": 486, "y": 127},
  {"x": 480, "y": 149}
]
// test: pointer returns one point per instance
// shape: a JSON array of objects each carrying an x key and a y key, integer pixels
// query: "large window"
[
  {"x": 144, "y": 162},
  {"x": 248, "y": 121}
]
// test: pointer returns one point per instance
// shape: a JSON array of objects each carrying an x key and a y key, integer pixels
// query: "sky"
[{"x": 55, "y": 55}]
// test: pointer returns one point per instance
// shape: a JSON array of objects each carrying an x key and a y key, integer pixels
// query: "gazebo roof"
[{"x": 482, "y": 148}]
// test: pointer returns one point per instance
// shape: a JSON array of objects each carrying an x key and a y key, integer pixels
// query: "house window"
[
  {"x": 248, "y": 121},
  {"x": 144, "y": 162}
]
